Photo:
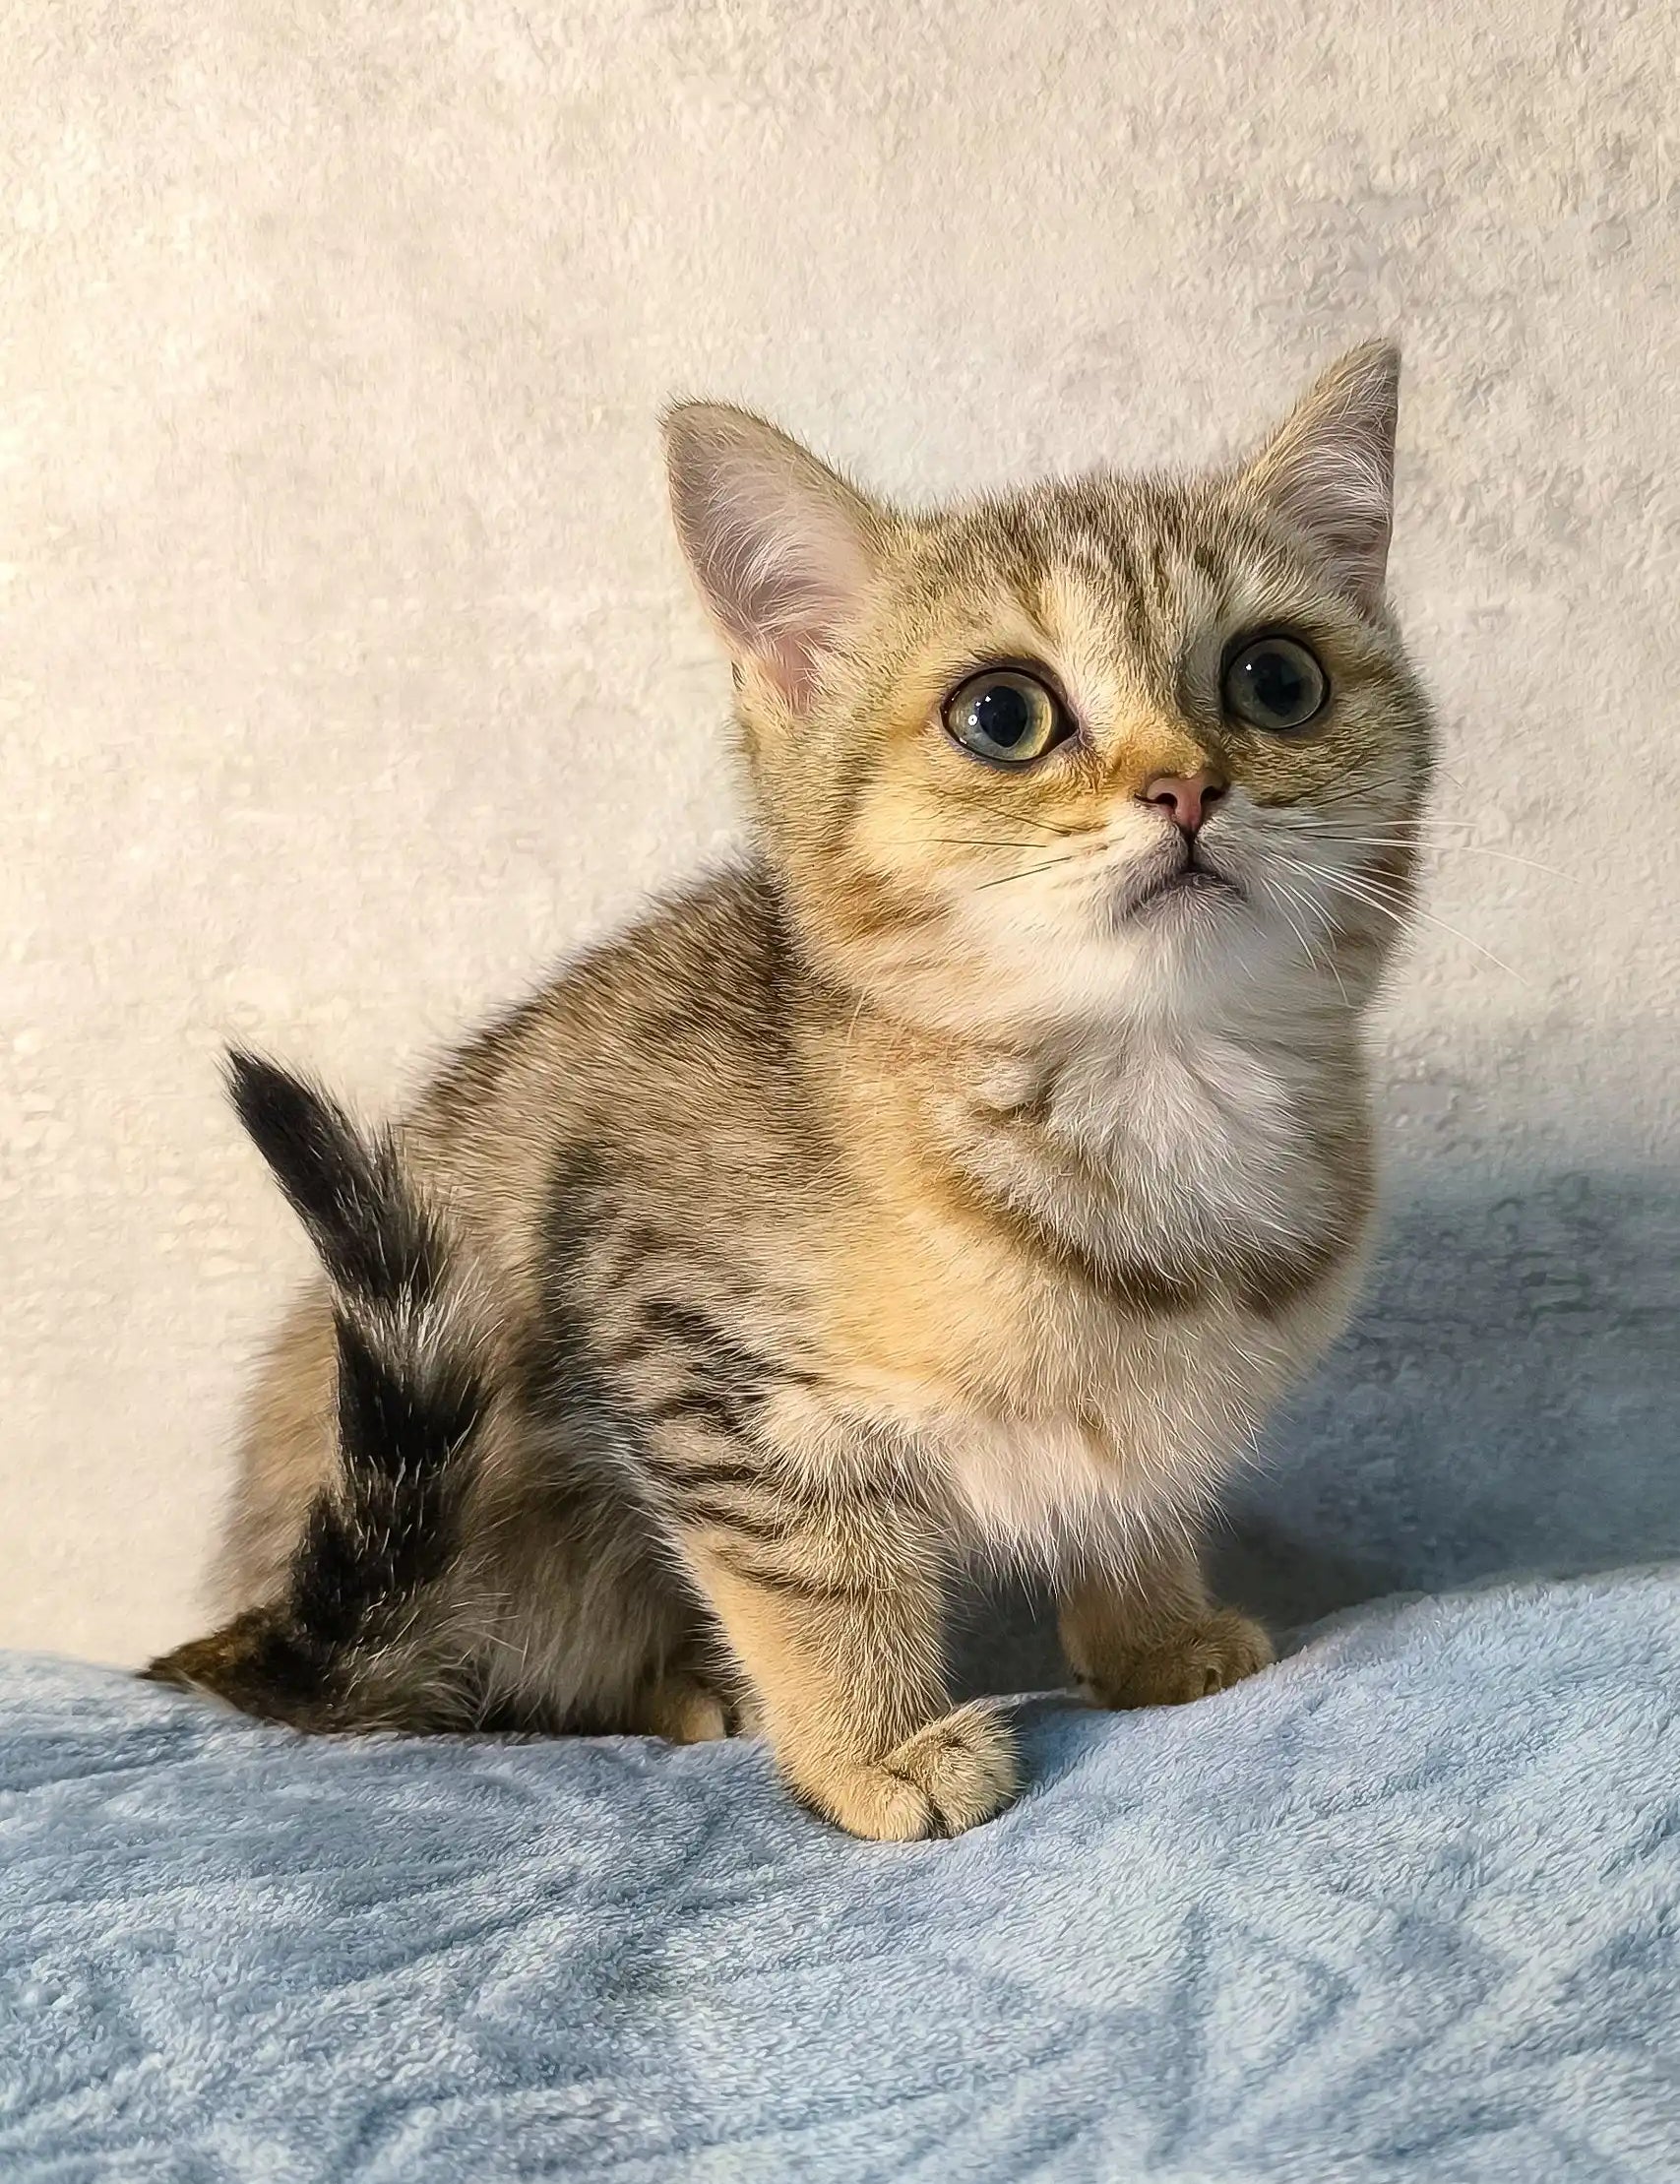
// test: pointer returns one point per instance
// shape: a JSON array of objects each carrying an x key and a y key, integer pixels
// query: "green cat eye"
[
  {"x": 1274, "y": 683},
  {"x": 1006, "y": 716}
]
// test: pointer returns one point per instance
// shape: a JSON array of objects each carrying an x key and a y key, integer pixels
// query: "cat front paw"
[
  {"x": 1197, "y": 1659},
  {"x": 951, "y": 1775}
]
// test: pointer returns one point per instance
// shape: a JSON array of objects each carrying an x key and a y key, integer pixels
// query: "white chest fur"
[
  {"x": 1203, "y": 1141},
  {"x": 1164, "y": 1154},
  {"x": 1174, "y": 1406}
]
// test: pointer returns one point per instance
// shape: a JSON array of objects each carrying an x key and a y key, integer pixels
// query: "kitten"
[{"x": 969, "y": 1173}]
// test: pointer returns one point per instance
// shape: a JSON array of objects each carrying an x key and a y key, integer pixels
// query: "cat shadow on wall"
[{"x": 1503, "y": 1402}]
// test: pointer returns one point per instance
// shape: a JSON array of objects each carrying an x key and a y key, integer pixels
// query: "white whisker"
[{"x": 1366, "y": 889}]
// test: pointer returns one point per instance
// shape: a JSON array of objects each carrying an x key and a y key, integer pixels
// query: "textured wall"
[{"x": 348, "y": 674}]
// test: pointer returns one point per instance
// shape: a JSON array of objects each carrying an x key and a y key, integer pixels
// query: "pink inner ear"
[
  {"x": 796, "y": 574},
  {"x": 783, "y": 550},
  {"x": 791, "y": 666},
  {"x": 788, "y": 597}
]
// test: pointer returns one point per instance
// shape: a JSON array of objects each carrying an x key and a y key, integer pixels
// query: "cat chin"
[
  {"x": 1190, "y": 895},
  {"x": 1204, "y": 960}
]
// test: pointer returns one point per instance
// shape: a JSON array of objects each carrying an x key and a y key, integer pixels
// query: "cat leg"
[
  {"x": 837, "y": 1625},
  {"x": 1145, "y": 1632},
  {"x": 688, "y": 1696},
  {"x": 682, "y": 1708}
]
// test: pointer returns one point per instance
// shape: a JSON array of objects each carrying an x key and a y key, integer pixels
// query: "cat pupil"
[
  {"x": 1278, "y": 682},
  {"x": 1003, "y": 715}
]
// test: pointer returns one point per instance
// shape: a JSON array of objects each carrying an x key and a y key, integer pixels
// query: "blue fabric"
[{"x": 1404, "y": 1907}]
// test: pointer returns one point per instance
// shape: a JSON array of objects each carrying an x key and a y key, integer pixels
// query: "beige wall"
[{"x": 348, "y": 675}]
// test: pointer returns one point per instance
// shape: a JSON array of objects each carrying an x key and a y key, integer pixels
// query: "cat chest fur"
[
  {"x": 1159, "y": 1239},
  {"x": 1200, "y": 1151},
  {"x": 1166, "y": 1171}
]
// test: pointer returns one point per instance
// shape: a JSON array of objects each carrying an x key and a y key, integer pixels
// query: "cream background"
[{"x": 348, "y": 674}]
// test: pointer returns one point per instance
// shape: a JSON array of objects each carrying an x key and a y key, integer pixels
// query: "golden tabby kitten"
[{"x": 969, "y": 1172}]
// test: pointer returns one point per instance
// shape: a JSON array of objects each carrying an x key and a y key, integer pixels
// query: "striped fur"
[
  {"x": 944, "y": 1181},
  {"x": 410, "y": 1396}
]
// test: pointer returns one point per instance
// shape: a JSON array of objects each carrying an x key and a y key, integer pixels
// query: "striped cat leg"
[
  {"x": 845, "y": 1665},
  {"x": 833, "y": 1608},
  {"x": 823, "y": 1571}
]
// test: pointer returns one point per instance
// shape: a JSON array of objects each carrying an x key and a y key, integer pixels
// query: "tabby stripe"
[
  {"x": 708, "y": 1509},
  {"x": 683, "y": 1475},
  {"x": 791, "y": 1582},
  {"x": 722, "y": 1415}
]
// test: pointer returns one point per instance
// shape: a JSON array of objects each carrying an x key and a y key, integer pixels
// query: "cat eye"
[
  {"x": 1274, "y": 683},
  {"x": 1006, "y": 716}
]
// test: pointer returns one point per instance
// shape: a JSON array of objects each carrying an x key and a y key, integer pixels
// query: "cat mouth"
[{"x": 1192, "y": 881}]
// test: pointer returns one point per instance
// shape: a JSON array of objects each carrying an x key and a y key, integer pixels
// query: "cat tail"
[{"x": 413, "y": 1381}]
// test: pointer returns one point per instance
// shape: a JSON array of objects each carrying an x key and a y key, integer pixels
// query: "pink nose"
[{"x": 1187, "y": 796}]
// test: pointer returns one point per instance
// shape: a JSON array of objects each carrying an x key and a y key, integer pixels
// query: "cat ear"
[
  {"x": 784, "y": 551},
  {"x": 1330, "y": 468}
]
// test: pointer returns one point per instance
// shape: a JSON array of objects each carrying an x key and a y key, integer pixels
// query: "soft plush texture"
[{"x": 1407, "y": 1906}]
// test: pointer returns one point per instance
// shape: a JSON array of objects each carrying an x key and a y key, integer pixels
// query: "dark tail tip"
[
  {"x": 349, "y": 1189},
  {"x": 306, "y": 1138},
  {"x": 256, "y": 1663}
]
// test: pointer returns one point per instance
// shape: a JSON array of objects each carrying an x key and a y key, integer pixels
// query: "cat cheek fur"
[
  {"x": 913, "y": 1191},
  {"x": 960, "y": 892}
]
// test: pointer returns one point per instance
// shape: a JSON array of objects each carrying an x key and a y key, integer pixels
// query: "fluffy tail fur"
[{"x": 410, "y": 1400}]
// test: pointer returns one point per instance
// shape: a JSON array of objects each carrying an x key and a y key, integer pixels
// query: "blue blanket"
[{"x": 1407, "y": 1906}]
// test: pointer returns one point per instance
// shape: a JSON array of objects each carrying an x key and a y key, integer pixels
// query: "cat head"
[{"x": 1120, "y": 744}]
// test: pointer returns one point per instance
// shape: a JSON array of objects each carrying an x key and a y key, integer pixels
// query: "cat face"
[{"x": 1110, "y": 746}]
